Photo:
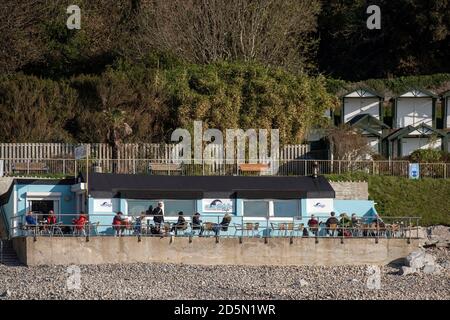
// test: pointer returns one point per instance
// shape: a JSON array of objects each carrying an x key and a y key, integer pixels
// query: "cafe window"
[
  {"x": 172, "y": 207},
  {"x": 136, "y": 207},
  {"x": 256, "y": 208},
  {"x": 286, "y": 208}
]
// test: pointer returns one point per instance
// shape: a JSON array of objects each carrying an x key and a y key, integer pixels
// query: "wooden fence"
[{"x": 102, "y": 151}]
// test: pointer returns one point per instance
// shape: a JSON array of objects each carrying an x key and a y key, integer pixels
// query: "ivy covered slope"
[
  {"x": 154, "y": 100},
  {"x": 398, "y": 197}
]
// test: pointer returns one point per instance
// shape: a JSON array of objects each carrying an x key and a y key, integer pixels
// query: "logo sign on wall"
[
  {"x": 103, "y": 205},
  {"x": 80, "y": 152},
  {"x": 319, "y": 205},
  {"x": 217, "y": 205},
  {"x": 414, "y": 171}
]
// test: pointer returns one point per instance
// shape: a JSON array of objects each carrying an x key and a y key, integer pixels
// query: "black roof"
[
  {"x": 135, "y": 186},
  {"x": 368, "y": 118}
]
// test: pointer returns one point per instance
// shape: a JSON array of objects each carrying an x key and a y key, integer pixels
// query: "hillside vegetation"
[
  {"x": 138, "y": 69},
  {"x": 428, "y": 199}
]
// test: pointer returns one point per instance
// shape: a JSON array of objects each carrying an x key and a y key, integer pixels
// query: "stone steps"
[{"x": 8, "y": 256}]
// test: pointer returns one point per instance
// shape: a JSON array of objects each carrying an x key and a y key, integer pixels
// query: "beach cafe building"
[{"x": 246, "y": 198}]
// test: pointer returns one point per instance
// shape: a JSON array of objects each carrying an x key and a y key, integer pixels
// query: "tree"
[
  {"x": 348, "y": 143},
  {"x": 274, "y": 32},
  {"x": 414, "y": 39}
]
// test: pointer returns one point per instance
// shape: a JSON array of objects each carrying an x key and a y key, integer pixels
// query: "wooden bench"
[
  {"x": 29, "y": 167},
  {"x": 253, "y": 167},
  {"x": 165, "y": 167}
]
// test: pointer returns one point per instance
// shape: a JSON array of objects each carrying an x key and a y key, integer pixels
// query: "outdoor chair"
[
  {"x": 195, "y": 227},
  {"x": 251, "y": 228},
  {"x": 299, "y": 229},
  {"x": 394, "y": 230},
  {"x": 290, "y": 229},
  {"x": 314, "y": 231},
  {"x": 332, "y": 230},
  {"x": 93, "y": 228},
  {"x": 278, "y": 228},
  {"x": 56, "y": 229},
  {"x": 30, "y": 229},
  {"x": 208, "y": 228},
  {"x": 166, "y": 228},
  {"x": 238, "y": 228},
  {"x": 357, "y": 230},
  {"x": 181, "y": 229}
]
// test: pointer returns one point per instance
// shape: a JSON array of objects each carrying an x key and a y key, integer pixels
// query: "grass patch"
[{"x": 41, "y": 175}]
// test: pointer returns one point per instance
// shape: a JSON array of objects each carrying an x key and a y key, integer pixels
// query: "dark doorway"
[{"x": 42, "y": 207}]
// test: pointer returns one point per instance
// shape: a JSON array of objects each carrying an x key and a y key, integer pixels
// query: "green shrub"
[
  {"x": 403, "y": 197},
  {"x": 427, "y": 155}
]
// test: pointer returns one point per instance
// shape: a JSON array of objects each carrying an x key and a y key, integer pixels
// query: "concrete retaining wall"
[
  {"x": 205, "y": 251},
  {"x": 348, "y": 190}
]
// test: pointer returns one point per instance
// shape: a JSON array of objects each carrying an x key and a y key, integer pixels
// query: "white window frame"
[
  {"x": 271, "y": 215},
  {"x": 298, "y": 203},
  {"x": 44, "y": 196},
  {"x": 175, "y": 218}
]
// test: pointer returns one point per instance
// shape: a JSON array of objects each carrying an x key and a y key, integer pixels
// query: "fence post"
[
  {"x": 445, "y": 170},
  {"x": 339, "y": 166}
]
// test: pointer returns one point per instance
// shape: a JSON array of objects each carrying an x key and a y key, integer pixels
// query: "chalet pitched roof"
[
  {"x": 362, "y": 92},
  {"x": 368, "y": 123},
  {"x": 365, "y": 118},
  {"x": 416, "y": 93},
  {"x": 400, "y": 133}
]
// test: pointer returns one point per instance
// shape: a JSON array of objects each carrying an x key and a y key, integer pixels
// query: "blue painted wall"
[
  {"x": 360, "y": 207},
  {"x": 68, "y": 206},
  {"x": 67, "y": 199}
]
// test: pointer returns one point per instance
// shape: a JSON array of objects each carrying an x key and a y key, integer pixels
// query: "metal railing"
[
  {"x": 71, "y": 167},
  {"x": 214, "y": 225}
]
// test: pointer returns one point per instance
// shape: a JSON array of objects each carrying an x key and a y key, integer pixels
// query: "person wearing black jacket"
[
  {"x": 223, "y": 225},
  {"x": 197, "y": 223},
  {"x": 332, "y": 221},
  {"x": 180, "y": 223},
  {"x": 158, "y": 215}
]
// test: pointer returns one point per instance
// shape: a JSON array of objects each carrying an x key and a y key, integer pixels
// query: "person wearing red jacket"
[
  {"x": 313, "y": 225},
  {"x": 80, "y": 222},
  {"x": 118, "y": 222},
  {"x": 51, "y": 218}
]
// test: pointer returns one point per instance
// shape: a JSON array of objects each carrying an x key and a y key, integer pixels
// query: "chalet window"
[
  {"x": 257, "y": 208},
  {"x": 286, "y": 208},
  {"x": 136, "y": 207},
  {"x": 172, "y": 207}
]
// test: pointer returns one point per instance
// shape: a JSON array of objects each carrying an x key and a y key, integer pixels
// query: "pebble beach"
[{"x": 179, "y": 281}]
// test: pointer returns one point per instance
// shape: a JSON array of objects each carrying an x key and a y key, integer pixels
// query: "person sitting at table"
[
  {"x": 331, "y": 221},
  {"x": 138, "y": 223},
  {"x": 355, "y": 220},
  {"x": 223, "y": 225},
  {"x": 313, "y": 225},
  {"x": 117, "y": 223},
  {"x": 344, "y": 223},
  {"x": 158, "y": 215},
  {"x": 80, "y": 222},
  {"x": 180, "y": 223},
  {"x": 30, "y": 220},
  {"x": 51, "y": 218},
  {"x": 197, "y": 223}
]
